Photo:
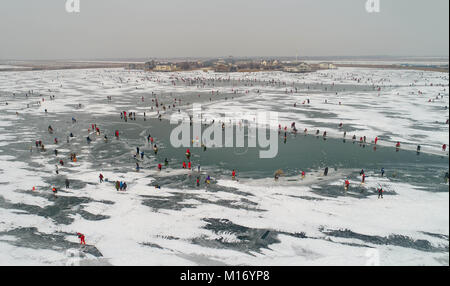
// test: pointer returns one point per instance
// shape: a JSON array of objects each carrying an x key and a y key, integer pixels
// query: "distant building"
[
  {"x": 149, "y": 65},
  {"x": 166, "y": 67},
  {"x": 269, "y": 65},
  {"x": 300, "y": 68},
  {"x": 222, "y": 66},
  {"x": 327, "y": 66}
]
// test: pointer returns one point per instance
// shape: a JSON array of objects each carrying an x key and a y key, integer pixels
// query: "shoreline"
[{"x": 33, "y": 66}]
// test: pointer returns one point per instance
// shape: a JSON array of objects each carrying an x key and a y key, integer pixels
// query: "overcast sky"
[{"x": 42, "y": 29}]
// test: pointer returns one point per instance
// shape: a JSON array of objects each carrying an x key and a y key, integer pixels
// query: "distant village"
[{"x": 231, "y": 65}]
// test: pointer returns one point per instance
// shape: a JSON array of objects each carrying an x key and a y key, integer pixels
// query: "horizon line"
[{"x": 361, "y": 57}]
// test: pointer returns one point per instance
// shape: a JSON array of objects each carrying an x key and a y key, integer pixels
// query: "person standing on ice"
[
  {"x": 67, "y": 183},
  {"x": 188, "y": 154},
  {"x": 81, "y": 237},
  {"x": 233, "y": 175},
  {"x": 376, "y": 140},
  {"x": 101, "y": 178},
  {"x": 325, "y": 173},
  {"x": 347, "y": 185},
  {"x": 380, "y": 192},
  {"x": 444, "y": 147},
  {"x": 382, "y": 172},
  {"x": 159, "y": 166}
]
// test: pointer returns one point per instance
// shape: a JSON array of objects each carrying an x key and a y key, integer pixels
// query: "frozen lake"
[{"x": 252, "y": 221}]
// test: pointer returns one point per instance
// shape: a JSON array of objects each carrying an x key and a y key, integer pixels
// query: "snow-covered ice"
[{"x": 253, "y": 221}]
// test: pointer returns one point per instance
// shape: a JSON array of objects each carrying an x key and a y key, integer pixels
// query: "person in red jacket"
[
  {"x": 184, "y": 165},
  {"x": 233, "y": 175},
  {"x": 81, "y": 237},
  {"x": 444, "y": 147},
  {"x": 363, "y": 178},
  {"x": 380, "y": 192},
  {"x": 188, "y": 154},
  {"x": 347, "y": 185},
  {"x": 376, "y": 140},
  {"x": 101, "y": 178},
  {"x": 189, "y": 165},
  {"x": 397, "y": 145},
  {"x": 159, "y": 166}
]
